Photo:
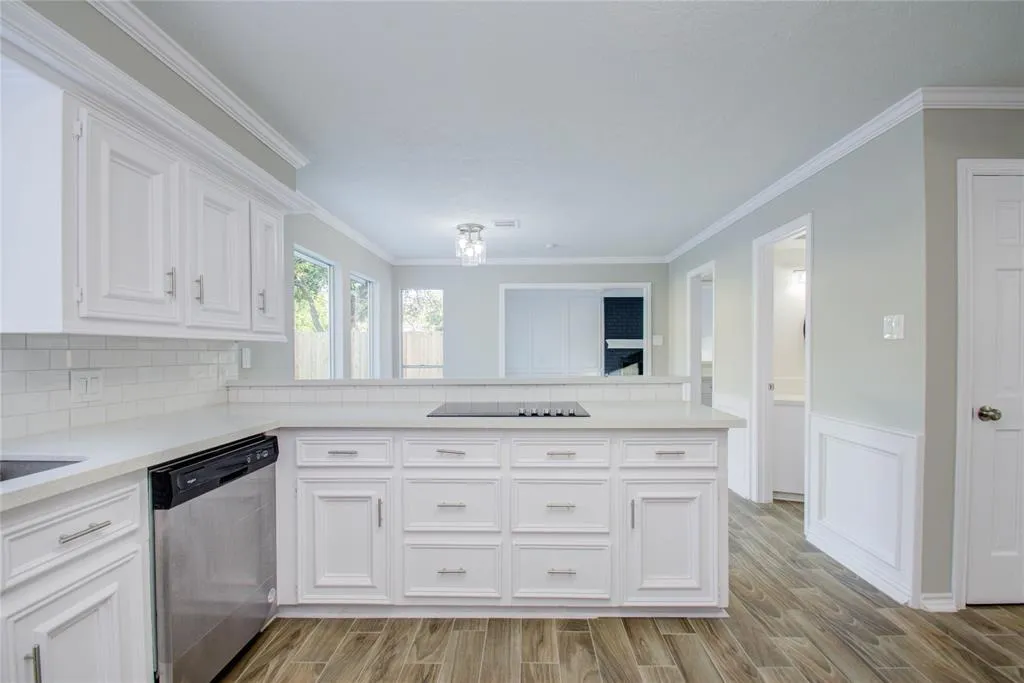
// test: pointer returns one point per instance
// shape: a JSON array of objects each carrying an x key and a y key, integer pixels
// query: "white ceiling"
[{"x": 610, "y": 129}]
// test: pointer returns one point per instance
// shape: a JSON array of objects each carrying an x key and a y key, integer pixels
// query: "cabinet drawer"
[
  {"x": 581, "y": 571},
  {"x": 451, "y": 452},
  {"x": 569, "y": 453},
  {"x": 470, "y": 570},
  {"x": 47, "y": 541},
  {"x": 354, "y": 451},
  {"x": 554, "y": 505},
  {"x": 668, "y": 453},
  {"x": 451, "y": 504}
]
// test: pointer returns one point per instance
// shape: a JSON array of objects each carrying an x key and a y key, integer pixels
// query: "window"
[
  {"x": 314, "y": 317},
  {"x": 422, "y": 333},
  {"x": 361, "y": 329}
]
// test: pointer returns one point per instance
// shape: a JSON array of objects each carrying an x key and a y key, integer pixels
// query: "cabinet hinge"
[{"x": 77, "y": 129}]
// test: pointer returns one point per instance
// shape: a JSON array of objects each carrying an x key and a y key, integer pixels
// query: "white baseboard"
[
  {"x": 492, "y": 611},
  {"x": 937, "y": 602},
  {"x": 863, "y": 510},
  {"x": 739, "y": 442}
]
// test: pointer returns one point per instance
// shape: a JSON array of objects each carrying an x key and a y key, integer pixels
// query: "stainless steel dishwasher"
[{"x": 215, "y": 556}]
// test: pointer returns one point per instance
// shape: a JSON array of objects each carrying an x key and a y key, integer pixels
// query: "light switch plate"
[
  {"x": 892, "y": 326},
  {"x": 658, "y": 340},
  {"x": 86, "y": 386},
  {"x": 246, "y": 357}
]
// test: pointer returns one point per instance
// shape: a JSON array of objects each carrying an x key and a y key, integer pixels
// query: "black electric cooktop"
[{"x": 510, "y": 409}]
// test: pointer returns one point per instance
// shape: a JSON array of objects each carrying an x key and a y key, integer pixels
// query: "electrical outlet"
[
  {"x": 86, "y": 386},
  {"x": 892, "y": 326}
]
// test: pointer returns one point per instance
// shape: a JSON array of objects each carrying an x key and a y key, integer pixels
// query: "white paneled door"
[{"x": 995, "y": 568}]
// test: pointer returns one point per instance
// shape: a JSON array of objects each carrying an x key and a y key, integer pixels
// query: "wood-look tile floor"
[{"x": 795, "y": 616}]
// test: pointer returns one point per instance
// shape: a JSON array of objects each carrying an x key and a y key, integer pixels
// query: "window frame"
[
  {"x": 334, "y": 270},
  {"x": 401, "y": 334},
  {"x": 373, "y": 309}
]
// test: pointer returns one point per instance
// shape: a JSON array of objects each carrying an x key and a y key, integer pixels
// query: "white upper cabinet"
[
  {"x": 267, "y": 270},
  {"x": 129, "y": 260},
  {"x": 218, "y": 234}
]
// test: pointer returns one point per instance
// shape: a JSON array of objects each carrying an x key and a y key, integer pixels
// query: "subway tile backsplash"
[{"x": 141, "y": 376}]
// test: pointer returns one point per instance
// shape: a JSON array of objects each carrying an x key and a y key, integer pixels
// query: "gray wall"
[
  {"x": 949, "y": 135},
  {"x": 471, "y": 306},
  {"x": 103, "y": 37},
  {"x": 868, "y": 212},
  {"x": 275, "y": 361}
]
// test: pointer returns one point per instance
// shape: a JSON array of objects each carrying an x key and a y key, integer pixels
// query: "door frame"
[
  {"x": 966, "y": 171},
  {"x": 694, "y": 316},
  {"x": 763, "y": 307},
  {"x": 504, "y": 287}
]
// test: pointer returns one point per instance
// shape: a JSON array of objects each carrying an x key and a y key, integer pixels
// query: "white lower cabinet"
[
  {"x": 436, "y": 568},
  {"x": 542, "y": 569},
  {"x": 668, "y": 543},
  {"x": 343, "y": 536}
]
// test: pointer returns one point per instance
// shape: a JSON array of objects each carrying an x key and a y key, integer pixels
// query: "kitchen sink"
[{"x": 14, "y": 468}]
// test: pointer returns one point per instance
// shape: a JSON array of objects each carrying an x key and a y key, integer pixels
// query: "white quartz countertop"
[{"x": 119, "y": 448}]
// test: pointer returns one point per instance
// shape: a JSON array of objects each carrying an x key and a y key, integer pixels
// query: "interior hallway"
[{"x": 795, "y": 615}]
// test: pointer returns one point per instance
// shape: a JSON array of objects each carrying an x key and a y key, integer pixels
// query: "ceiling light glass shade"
[
  {"x": 469, "y": 245},
  {"x": 798, "y": 278}
]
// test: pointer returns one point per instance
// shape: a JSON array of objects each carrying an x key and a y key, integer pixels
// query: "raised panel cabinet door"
[
  {"x": 343, "y": 540},
  {"x": 89, "y": 631},
  {"x": 267, "y": 270},
  {"x": 585, "y": 337},
  {"x": 218, "y": 255},
  {"x": 669, "y": 542},
  {"x": 128, "y": 234}
]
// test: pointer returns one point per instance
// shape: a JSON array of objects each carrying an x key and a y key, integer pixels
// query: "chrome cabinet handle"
[
  {"x": 669, "y": 454},
  {"x": 460, "y": 570},
  {"x": 172, "y": 278},
  {"x": 201, "y": 296},
  {"x": 561, "y": 454},
  {"x": 262, "y": 297},
  {"x": 632, "y": 514},
  {"x": 37, "y": 664},
  {"x": 443, "y": 504},
  {"x": 380, "y": 512},
  {"x": 563, "y": 506},
  {"x": 348, "y": 453},
  {"x": 447, "y": 451},
  {"x": 567, "y": 572},
  {"x": 989, "y": 414},
  {"x": 91, "y": 529}
]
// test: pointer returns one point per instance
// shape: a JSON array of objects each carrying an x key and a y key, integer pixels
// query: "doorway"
[
  {"x": 990, "y": 384},
  {"x": 700, "y": 287},
  {"x": 781, "y": 392}
]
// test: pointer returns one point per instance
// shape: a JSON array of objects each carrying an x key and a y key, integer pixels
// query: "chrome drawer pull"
[
  {"x": 380, "y": 512},
  {"x": 37, "y": 664},
  {"x": 172, "y": 277},
  {"x": 460, "y": 570},
  {"x": 443, "y": 504},
  {"x": 201, "y": 296},
  {"x": 91, "y": 529},
  {"x": 348, "y": 453},
  {"x": 262, "y": 297},
  {"x": 669, "y": 454},
  {"x": 566, "y": 572},
  {"x": 562, "y": 506},
  {"x": 561, "y": 454},
  {"x": 446, "y": 451}
]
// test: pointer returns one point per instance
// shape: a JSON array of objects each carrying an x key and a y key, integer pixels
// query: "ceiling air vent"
[{"x": 509, "y": 224}]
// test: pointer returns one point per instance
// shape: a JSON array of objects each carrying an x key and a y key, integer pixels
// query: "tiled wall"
[
  {"x": 141, "y": 376},
  {"x": 332, "y": 393}
]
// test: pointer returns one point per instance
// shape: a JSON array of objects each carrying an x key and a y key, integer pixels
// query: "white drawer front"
[
  {"x": 355, "y": 451},
  {"x": 552, "y": 571},
  {"x": 47, "y": 541},
  {"x": 556, "y": 505},
  {"x": 668, "y": 453},
  {"x": 452, "y": 570},
  {"x": 451, "y": 452},
  {"x": 554, "y": 453},
  {"x": 451, "y": 504}
]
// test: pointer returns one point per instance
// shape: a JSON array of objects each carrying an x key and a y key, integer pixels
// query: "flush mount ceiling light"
[{"x": 469, "y": 245}]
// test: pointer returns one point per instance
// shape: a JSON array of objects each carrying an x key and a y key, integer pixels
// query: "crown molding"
[
  {"x": 567, "y": 261},
  {"x": 310, "y": 206},
  {"x": 131, "y": 20},
  {"x": 914, "y": 103}
]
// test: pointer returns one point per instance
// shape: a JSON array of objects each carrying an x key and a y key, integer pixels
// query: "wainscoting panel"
[
  {"x": 864, "y": 501},
  {"x": 739, "y": 442}
]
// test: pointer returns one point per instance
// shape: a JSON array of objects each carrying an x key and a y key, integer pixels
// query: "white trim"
[
  {"x": 131, "y": 20},
  {"x": 914, "y": 103},
  {"x": 937, "y": 602},
  {"x": 374, "y": 291},
  {"x": 693, "y": 336},
  {"x": 515, "y": 611},
  {"x": 320, "y": 213},
  {"x": 575, "y": 260},
  {"x": 337, "y": 365},
  {"x": 761, "y": 324},
  {"x": 644, "y": 286},
  {"x": 967, "y": 170}
]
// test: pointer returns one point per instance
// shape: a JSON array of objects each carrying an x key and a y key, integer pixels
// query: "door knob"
[{"x": 989, "y": 414}]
